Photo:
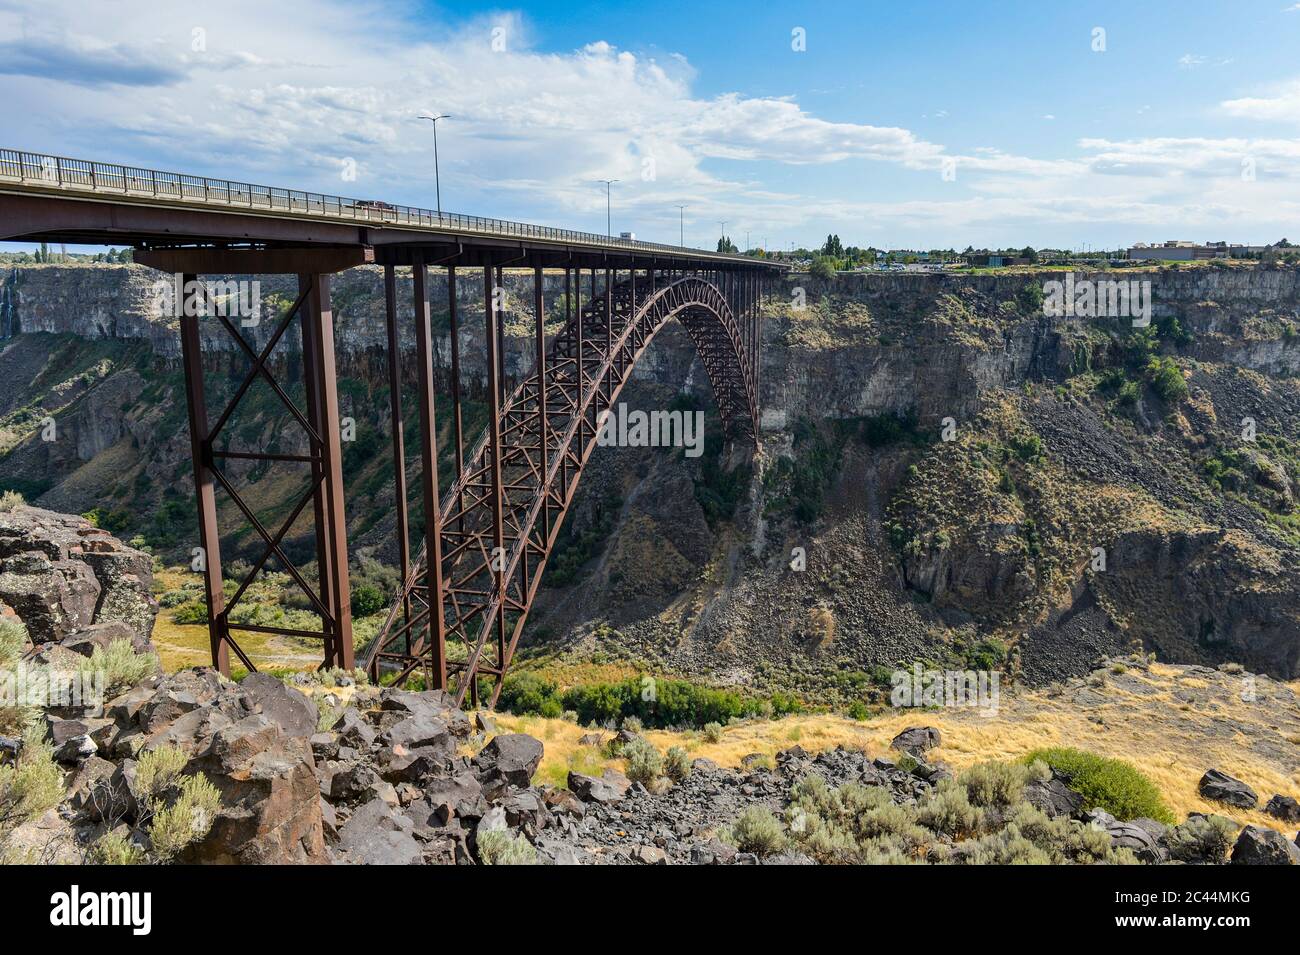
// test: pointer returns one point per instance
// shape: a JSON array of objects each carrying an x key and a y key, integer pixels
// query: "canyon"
[{"x": 945, "y": 473}]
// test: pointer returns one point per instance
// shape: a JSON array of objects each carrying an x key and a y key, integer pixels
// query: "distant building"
[
  {"x": 994, "y": 260},
  {"x": 1179, "y": 250}
]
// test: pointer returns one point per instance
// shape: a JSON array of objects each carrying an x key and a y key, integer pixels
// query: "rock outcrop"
[{"x": 71, "y": 582}]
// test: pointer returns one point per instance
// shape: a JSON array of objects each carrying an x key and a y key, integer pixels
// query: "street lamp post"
[
  {"x": 609, "y": 233},
  {"x": 437, "y": 178},
  {"x": 723, "y": 234},
  {"x": 681, "y": 227}
]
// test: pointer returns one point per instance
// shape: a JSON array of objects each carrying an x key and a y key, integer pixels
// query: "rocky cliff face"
[{"x": 914, "y": 546}]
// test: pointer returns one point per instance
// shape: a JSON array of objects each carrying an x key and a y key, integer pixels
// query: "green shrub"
[
  {"x": 644, "y": 763},
  {"x": 713, "y": 732},
  {"x": 502, "y": 847},
  {"x": 1110, "y": 784},
  {"x": 674, "y": 703},
  {"x": 1202, "y": 838},
  {"x": 677, "y": 764},
  {"x": 193, "y": 612},
  {"x": 10, "y": 500},
  {"x": 31, "y": 785},
  {"x": 157, "y": 769},
  {"x": 823, "y": 268},
  {"x": 633, "y": 724},
  {"x": 186, "y": 820},
  {"x": 1166, "y": 379},
  {"x": 120, "y": 666},
  {"x": 756, "y": 830},
  {"x": 114, "y": 848},
  {"x": 995, "y": 784},
  {"x": 13, "y": 641},
  {"x": 949, "y": 810},
  {"x": 367, "y": 599}
]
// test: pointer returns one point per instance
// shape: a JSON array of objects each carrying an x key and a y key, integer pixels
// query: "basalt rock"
[
  {"x": 63, "y": 576},
  {"x": 916, "y": 740},
  {"x": 1285, "y": 808},
  {"x": 1224, "y": 788},
  {"x": 1259, "y": 846}
]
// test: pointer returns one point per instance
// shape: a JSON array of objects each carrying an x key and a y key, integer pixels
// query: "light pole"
[
  {"x": 723, "y": 234},
  {"x": 437, "y": 179},
  {"x": 608, "y": 230},
  {"x": 681, "y": 227}
]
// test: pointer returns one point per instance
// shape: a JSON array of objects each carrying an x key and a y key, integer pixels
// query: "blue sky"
[{"x": 920, "y": 124}]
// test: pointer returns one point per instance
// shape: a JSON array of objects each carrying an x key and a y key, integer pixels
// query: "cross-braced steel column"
[
  {"x": 330, "y": 596},
  {"x": 204, "y": 491},
  {"x": 319, "y": 316},
  {"x": 437, "y": 659},
  {"x": 399, "y": 442}
]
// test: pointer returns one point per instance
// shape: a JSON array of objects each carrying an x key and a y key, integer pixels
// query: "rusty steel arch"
[{"x": 500, "y": 519}]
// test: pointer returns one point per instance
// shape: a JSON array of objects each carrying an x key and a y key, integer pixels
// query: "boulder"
[
  {"x": 1223, "y": 788},
  {"x": 289, "y": 708},
  {"x": 352, "y": 781},
  {"x": 377, "y": 835},
  {"x": 1285, "y": 808},
  {"x": 556, "y": 852},
  {"x": 565, "y": 801},
  {"x": 430, "y": 703},
  {"x": 270, "y": 799},
  {"x": 1142, "y": 839},
  {"x": 98, "y": 636},
  {"x": 713, "y": 852},
  {"x": 62, "y": 575},
  {"x": 1257, "y": 845},
  {"x": 450, "y": 797},
  {"x": 71, "y": 740},
  {"x": 354, "y": 731},
  {"x": 1053, "y": 797},
  {"x": 916, "y": 740},
  {"x": 510, "y": 759},
  {"x": 610, "y": 787},
  {"x": 420, "y": 732},
  {"x": 649, "y": 855}
]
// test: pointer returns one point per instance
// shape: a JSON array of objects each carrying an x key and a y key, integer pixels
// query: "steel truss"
[
  {"x": 494, "y": 531},
  {"x": 330, "y": 596}
]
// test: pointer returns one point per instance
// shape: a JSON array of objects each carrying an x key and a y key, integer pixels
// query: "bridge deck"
[{"x": 196, "y": 208}]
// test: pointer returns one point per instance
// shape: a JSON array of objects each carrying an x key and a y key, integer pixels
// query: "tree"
[
  {"x": 726, "y": 245},
  {"x": 822, "y": 268},
  {"x": 833, "y": 248},
  {"x": 1028, "y": 253}
]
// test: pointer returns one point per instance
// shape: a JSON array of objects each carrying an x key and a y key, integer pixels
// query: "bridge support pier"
[{"x": 211, "y": 444}]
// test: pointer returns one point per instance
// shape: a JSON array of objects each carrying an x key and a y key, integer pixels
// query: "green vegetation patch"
[
  {"x": 655, "y": 702},
  {"x": 1114, "y": 785}
]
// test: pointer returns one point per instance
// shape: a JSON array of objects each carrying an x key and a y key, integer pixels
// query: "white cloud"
[
  {"x": 284, "y": 92},
  {"x": 1283, "y": 104}
]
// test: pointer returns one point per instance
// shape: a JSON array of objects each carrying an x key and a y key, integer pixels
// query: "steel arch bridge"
[
  {"x": 485, "y": 542},
  {"x": 492, "y": 549}
]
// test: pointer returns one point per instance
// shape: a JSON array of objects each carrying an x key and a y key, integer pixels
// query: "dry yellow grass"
[{"x": 1136, "y": 716}]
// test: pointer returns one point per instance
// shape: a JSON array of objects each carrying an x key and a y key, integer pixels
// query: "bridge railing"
[{"x": 83, "y": 175}]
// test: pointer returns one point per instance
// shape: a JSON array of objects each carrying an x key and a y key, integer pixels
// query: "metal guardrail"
[{"x": 81, "y": 175}]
